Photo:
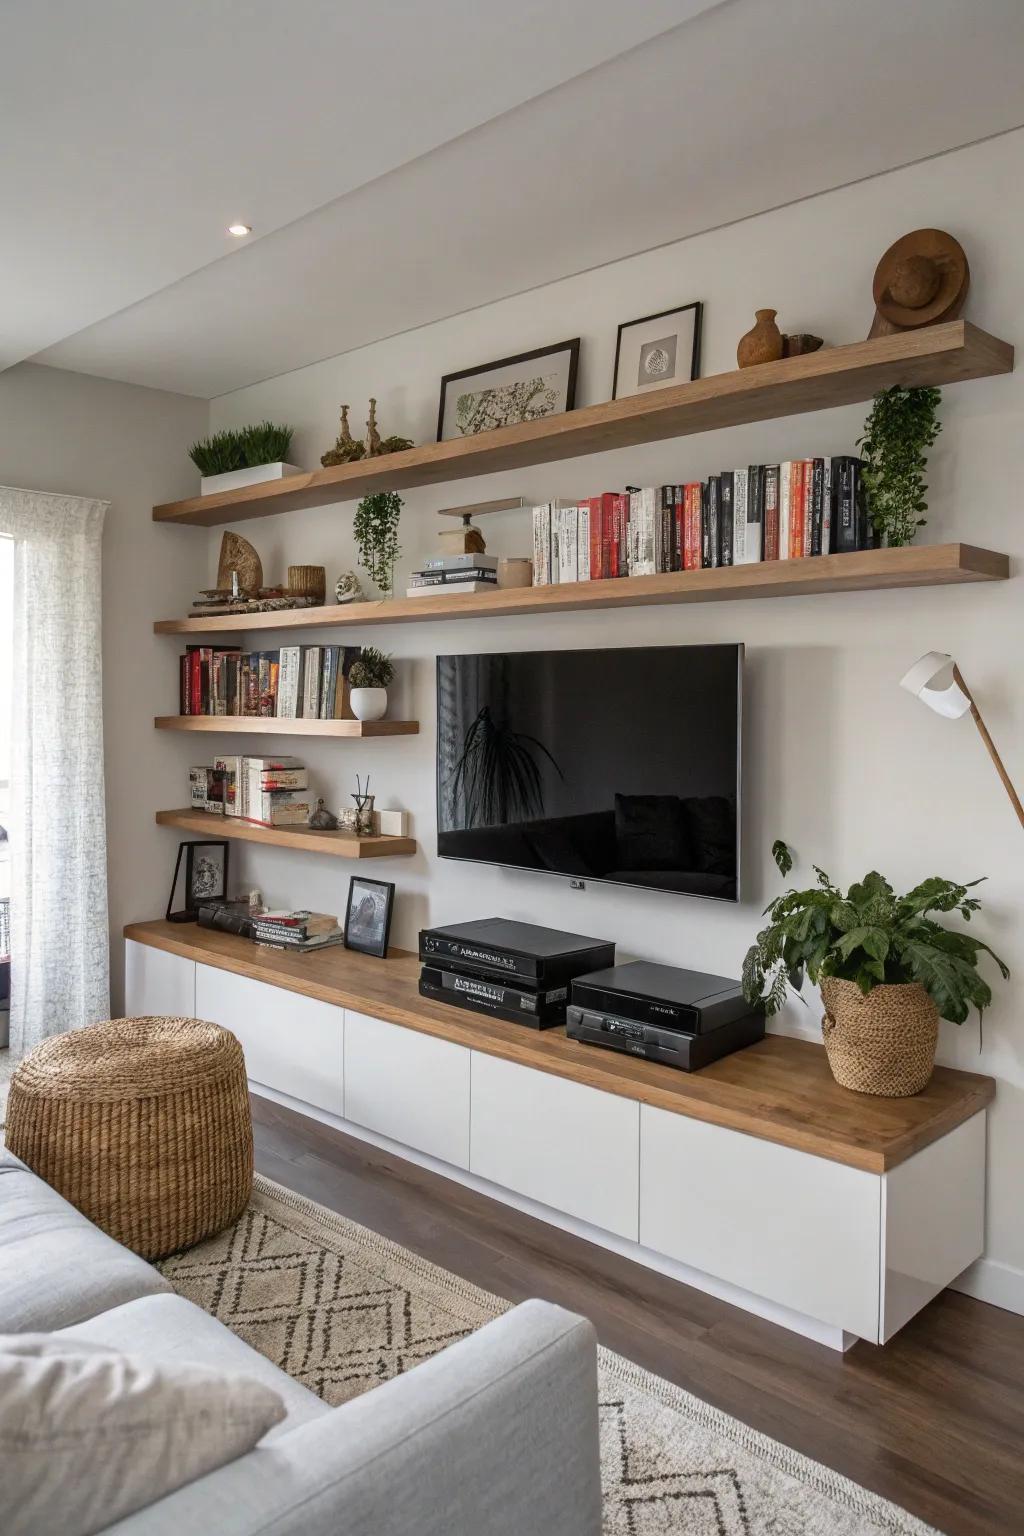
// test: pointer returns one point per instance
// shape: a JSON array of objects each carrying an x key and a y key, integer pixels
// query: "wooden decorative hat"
[{"x": 921, "y": 280}]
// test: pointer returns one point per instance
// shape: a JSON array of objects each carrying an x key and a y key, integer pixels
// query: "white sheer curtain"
[{"x": 59, "y": 941}]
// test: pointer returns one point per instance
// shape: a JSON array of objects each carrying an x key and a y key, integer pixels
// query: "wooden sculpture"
[
  {"x": 346, "y": 448},
  {"x": 372, "y": 443},
  {"x": 921, "y": 280},
  {"x": 237, "y": 554}
]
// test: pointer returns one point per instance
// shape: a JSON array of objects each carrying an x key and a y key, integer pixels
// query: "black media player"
[
  {"x": 519, "y": 1005},
  {"x": 522, "y": 953},
  {"x": 685, "y": 1019}
]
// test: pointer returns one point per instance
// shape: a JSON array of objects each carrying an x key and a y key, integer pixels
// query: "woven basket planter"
[
  {"x": 143, "y": 1124},
  {"x": 883, "y": 1043}
]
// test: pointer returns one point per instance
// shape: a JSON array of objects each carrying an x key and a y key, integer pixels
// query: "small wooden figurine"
[
  {"x": 346, "y": 448},
  {"x": 372, "y": 443}
]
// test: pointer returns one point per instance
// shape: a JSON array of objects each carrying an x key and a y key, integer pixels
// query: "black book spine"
[
  {"x": 817, "y": 505},
  {"x": 705, "y": 523},
  {"x": 755, "y": 507},
  {"x": 727, "y": 483},
  {"x": 846, "y": 511},
  {"x": 667, "y": 513},
  {"x": 715, "y": 520}
]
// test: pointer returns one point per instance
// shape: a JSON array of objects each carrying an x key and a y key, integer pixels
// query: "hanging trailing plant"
[
  {"x": 901, "y": 428},
  {"x": 376, "y": 532}
]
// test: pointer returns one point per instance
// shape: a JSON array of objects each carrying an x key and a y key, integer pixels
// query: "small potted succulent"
[
  {"x": 369, "y": 679},
  {"x": 231, "y": 459},
  {"x": 886, "y": 968}
]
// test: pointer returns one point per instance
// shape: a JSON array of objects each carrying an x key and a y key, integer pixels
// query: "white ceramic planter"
[
  {"x": 368, "y": 703},
  {"x": 235, "y": 479}
]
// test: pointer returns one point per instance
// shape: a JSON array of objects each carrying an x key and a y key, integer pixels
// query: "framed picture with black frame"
[
  {"x": 657, "y": 350},
  {"x": 368, "y": 915},
  {"x": 512, "y": 390},
  {"x": 206, "y": 878}
]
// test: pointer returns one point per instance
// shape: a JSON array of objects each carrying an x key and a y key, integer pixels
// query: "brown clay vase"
[
  {"x": 882, "y": 1043},
  {"x": 762, "y": 343}
]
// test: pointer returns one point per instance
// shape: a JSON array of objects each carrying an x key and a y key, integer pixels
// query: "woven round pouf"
[{"x": 143, "y": 1124}]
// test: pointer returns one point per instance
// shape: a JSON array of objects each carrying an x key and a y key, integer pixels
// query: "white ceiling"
[{"x": 469, "y": 151}]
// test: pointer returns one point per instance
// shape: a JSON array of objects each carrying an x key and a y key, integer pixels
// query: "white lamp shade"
[{"x": 931, "y": 680}]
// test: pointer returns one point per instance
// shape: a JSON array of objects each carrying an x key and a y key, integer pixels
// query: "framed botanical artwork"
[
  {"x": 368, "y": 915},
  {"x": 206, "y": 878},
  {"x": 512, "y": 390},
  {"x": 657, "y": 350}
]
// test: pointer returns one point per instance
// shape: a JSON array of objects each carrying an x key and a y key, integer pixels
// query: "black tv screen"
[{"x": 617, "y": 765}]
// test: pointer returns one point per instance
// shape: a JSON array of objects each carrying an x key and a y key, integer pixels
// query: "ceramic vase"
[
  {"x": 368, "y": 703},
  {"x": 762, "y": 343}
]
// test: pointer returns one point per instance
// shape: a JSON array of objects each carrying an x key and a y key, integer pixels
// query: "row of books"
[
  {"x": 271, "y": 791},
  {"x": 444, "y": 574},
  {"x": 788, "y": 511},
  {"x": 308, "y": 682}
]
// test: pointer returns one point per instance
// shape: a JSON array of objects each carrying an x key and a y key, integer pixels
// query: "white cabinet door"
[
  {"x": 158, "y": 983},
  {"x": 568, "y": 1146},
  {"x": 799, "y": 1230},
  {"x": 408, "y": 1086},
  {"x": 291, "y": 1043}
]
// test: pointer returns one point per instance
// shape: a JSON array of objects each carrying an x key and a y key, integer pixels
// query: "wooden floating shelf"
[
  {"x": 916, "y": 565},
  {"x": 272, "y": 726},
  {"x": 341, "y": 844},
  {"x": 934, "y": 355}
]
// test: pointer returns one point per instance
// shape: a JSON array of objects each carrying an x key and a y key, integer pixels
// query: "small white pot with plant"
[
  {"x": 230, "y": 460},
  {"x": 369, "y": 681}
]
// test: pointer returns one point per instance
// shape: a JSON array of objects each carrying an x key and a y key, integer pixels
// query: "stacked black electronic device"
[
  {"x": 510, "y": 970},
  {"x": 685, "y": 1019}
]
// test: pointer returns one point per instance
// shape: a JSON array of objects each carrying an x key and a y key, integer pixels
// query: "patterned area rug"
[{"x": 341, "y": 1309}]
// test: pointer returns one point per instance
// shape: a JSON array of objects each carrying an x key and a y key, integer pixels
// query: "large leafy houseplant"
[
  {"x": 872, "y": 937},
  {"x": 901, "y": 428},
  {"x": 376, "y": 532}
]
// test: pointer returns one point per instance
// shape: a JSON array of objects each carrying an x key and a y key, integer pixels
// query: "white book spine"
[
  {"x": 554, "y": 548},
  {"x": 288, "y": 698},
  {"x": 583, "y": 544},
  {"x": 570, "y": 544},
  {"x": 785, "y": 508},
  {"x": 739, "y": 517}
]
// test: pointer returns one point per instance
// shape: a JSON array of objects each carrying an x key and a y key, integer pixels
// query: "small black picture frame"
[
  {"x": 368, "y": 915},
  {"x": 679, "y": 375},
  {"x": 571, "y": 349},
  {"x": 206, "y": 878}
]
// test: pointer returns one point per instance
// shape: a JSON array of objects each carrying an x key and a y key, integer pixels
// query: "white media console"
[{"x": 775, "y": 1218}]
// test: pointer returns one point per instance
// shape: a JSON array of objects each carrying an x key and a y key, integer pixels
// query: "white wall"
[
  {"x": 838, "y": 760},
  {"x": 90, "y": 437}
]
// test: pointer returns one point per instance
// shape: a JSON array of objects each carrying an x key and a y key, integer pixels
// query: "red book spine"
[
  {"x": 808, "y": 499},
  {"x": 796, "y": 509},
  {"x": 621, "y": 523},
  {"x": 196, "y": 682},
  {"x": 771, "y": 512},
  {"x": 607, "y": 534},
  {"x": 691, "y": 529}
]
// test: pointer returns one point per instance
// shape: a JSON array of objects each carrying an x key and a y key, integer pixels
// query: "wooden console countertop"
[{"x": 780, "y": 1089}]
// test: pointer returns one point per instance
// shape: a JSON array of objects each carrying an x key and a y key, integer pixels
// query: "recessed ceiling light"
[{"x": 238, "y": 230}]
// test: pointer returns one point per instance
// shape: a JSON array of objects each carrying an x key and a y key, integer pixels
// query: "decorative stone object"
[
  {"x": 347, "y": 588},
  {"x": 796, "y": 346},
  {"x": 323, "y": 820},
  {"x": 762, "y": 343},
  {"x": 237, "y": 555}
]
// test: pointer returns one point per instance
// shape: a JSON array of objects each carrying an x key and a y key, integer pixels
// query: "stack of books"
[
  {"x": 270, "y": 791},
  {"x": 308, "y": 682},
  {"x": 298, "y": 931},
  {"x": 444, "y": 574},
  {"x": 793, "y": 510}
]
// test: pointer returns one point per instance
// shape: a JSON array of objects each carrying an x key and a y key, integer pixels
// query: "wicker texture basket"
[
  {"x": 143, "y": 1124},
  {"x": 883, "y": 1043},
  {"x": 308, "y": 581}
]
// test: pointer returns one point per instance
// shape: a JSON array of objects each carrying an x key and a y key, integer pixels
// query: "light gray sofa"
[{"x": 495, "y": 1436}]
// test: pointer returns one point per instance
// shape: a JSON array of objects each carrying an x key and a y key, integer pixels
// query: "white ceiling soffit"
[
  {"x": 135, "y": 131},
  {"x": 749, "y": 106}
]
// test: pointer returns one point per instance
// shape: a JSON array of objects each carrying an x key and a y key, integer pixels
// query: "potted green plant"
[
  {"x": 376, "y": 532},
  {"x": 887, "y": 969},
  {"x": 901, "y": 428},
  {"x": 247, "y": 456},
  {"x": 369, "y": 679}
]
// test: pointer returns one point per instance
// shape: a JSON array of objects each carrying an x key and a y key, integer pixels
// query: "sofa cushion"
[
  {"x": 170, "y": 1329},
  {"x": 56, "y": 1268},
  {"x": 89, "y": 1435}
]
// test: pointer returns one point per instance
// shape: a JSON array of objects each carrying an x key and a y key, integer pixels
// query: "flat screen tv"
[{"x": 616, "y": 765}]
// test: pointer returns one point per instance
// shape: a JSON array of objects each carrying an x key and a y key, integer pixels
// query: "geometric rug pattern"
[{"x": 342, "y": 1309}]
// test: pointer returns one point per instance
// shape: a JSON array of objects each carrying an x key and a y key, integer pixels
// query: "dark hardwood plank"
[{"x": 933, "y": 1421}]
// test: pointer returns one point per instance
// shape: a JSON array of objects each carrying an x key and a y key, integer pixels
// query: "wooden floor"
[{"x": 934, "y": 1421}]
